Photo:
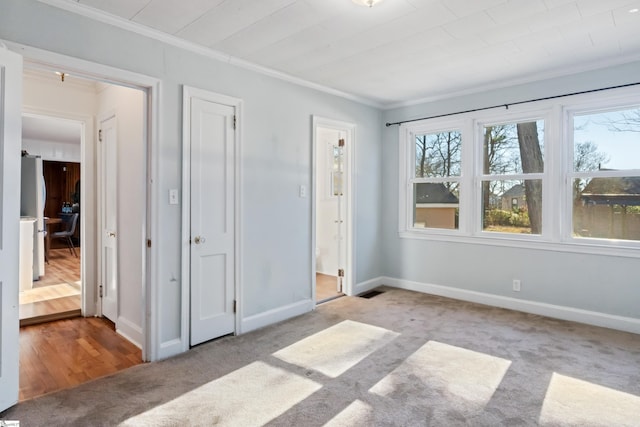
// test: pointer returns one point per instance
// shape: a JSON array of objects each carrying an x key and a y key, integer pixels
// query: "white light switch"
[
  {"x": 173, "y": 196},
  {"x": 303, "y": 191}
]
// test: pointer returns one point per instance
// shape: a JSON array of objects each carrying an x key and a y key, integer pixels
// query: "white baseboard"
[
  {"x": 368, "y": 285},
  {"x": 595, "y": 318},
  {"x": 130, "y": 331},
  {"x": 279, "y": 314}
]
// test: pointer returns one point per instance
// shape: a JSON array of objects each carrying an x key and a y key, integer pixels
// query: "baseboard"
[
  {"x": 279, "y": 314},
  {"x": 595, "y": 318},
  {"x": 130, "y": 331},
  {"x": 367, "y": 285}
]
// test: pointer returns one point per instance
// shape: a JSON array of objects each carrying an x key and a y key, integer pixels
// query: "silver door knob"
[
  {"x": 197, "y": 240},
  {"x": 111, "y": 234}
]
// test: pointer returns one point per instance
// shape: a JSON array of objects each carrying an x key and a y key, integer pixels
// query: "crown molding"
[{"x": 134, "y": 27}]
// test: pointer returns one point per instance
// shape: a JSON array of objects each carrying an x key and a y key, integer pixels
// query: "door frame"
[
  {"x": 189, "y": 92},
  {"x": 51, "y": 61},
  {"x": 350, "y": 187},
  {"x": 87, "y": 235}
]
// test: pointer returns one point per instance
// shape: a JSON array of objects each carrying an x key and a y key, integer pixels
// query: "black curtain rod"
[{"x": 513, "y": 103}]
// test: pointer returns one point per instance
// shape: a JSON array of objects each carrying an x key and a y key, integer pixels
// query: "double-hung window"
[
  {"x": 433, "y": 185},
  {"x": 604, "y": 177},
  {"x": 512, "y": 177}
]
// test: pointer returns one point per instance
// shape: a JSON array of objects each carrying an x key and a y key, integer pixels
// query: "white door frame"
[
  {"x": 45, "y": 60},
  {"x": 350, "y": 130},
  {"x": 189, "y": 92}
]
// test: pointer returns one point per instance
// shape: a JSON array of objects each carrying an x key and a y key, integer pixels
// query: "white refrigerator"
[{"x": 32, "y": 199}]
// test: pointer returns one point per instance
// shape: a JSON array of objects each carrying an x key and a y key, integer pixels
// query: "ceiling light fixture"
[
  {"x": 368, "y": 3},
  {"x": 62, "y": 75}
]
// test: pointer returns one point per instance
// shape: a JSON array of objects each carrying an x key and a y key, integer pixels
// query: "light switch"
[{"x": 173, "y": 196}]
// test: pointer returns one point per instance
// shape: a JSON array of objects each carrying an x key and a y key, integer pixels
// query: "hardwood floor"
[
  {"x": 57, "y": 294},
  {"x": 65, "y": 353},
  {"x": 326, "y": 287}
]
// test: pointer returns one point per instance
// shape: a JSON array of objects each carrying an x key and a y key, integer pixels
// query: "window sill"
[{"x": 616, "y": 248}]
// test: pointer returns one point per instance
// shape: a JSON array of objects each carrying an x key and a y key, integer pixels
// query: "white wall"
[
  {"x": 276, "y": 141},
  {"x": 129, "y": 106},
  {"x": 602, "y": 284},
  {"x": 54, "y": 151}
]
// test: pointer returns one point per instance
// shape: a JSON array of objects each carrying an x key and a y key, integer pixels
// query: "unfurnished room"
[{"x": 320, "y": 212}]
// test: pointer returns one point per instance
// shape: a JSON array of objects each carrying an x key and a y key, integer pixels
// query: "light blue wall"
[
  {"x": 276, "y": 155},
  {"x": 604, "y": 284}
]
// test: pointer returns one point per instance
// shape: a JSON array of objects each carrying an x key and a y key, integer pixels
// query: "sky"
[{"x": 623, "y": 148}]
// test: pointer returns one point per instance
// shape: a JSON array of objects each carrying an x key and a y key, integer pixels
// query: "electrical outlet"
[
  {"x": 302, "y": 191},
  {"x": 516, "y": 285}
]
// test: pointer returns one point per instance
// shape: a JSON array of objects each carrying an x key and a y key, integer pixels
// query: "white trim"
[
  {"x": 368, "y": 285},
  {"x": 134, "y": 27},
  {"x": 189, "y": 92},
  {"x": 275, "y": 315},
  {"x": 350, "y": 146},
  {"x": 130, "y": 331},
  {"x": 42, "y": 59},
  {"x": 595, "y": 318}
]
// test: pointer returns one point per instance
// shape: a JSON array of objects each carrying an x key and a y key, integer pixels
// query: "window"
[
  {"x": 435, "y": 180},
  {"x": 559, "y": 174},
  {"x": 605, "y": 178},
  {"x": 512, "y": 179}
]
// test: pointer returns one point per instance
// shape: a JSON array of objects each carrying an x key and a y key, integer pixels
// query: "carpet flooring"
[{"x": 398, "y": 359}]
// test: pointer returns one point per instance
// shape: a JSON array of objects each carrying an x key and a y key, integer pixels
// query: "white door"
[
  {"x": 10, "y": 145},
  {"x": 212, "y": 225},
  {"x": 107, "y": 139},
  {"x": 338, "y": 190}
]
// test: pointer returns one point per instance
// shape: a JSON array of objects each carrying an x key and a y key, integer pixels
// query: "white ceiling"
[
  {"x": 51, "y": 129},
  {"x": 401, "y": 50}
]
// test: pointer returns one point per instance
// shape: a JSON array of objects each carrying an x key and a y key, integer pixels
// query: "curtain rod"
[{"x": 512, "y": 103}]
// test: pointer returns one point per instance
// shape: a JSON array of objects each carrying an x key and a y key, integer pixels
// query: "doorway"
[
  {"x": 332, "y": 201},
  {"x": 78, "y": 191}
]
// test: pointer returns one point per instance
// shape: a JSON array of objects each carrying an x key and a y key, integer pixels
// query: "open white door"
[
  {"x": 107, "y": 138},
  {"x": 10, "y": 145},
  {"x": 212, "y": 160}
]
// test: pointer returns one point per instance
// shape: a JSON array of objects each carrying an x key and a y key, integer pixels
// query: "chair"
[{"x": 70, "y": 222}]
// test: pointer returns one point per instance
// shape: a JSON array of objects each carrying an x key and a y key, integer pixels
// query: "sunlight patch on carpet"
[
  {"x": 356, "y": 414},
  {"x": 439, "y": 370},
  {"x": 570, "y": 401},
  {"x": 250, "y": 396},
  {"x": 335, "y": 350}
]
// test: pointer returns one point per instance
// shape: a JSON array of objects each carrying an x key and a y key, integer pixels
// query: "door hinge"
[
  {"x": 341, "y": 142},
  {"x": 100, "y": 290},
  {"x": 235, "y": 306},
  {"x": 234, "y": 122},
  {"x": 100, "y": 135},
  {"x": 148, "y": 243},
  {"x": 341, "y": 272}
]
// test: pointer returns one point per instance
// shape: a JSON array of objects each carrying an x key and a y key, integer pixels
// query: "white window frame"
[
  {"x": 557, "y": 231},
  {"x": 592, "y": 105},
  {"x": 408, "y": 134}
]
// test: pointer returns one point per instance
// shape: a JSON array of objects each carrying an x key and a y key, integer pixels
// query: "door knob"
[
  {"x": 197, "y": 240},
  {"x": 111, "y": 234}
]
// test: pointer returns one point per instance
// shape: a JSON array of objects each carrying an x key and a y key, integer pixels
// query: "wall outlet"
[
  {"x": 516, "y": 285},
  {"x": 302, "y": 191}
]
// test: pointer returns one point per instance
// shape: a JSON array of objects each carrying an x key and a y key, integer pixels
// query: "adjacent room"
[{"x": 386, "y": 212}]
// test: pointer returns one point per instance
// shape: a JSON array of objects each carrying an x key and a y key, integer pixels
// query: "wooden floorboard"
[
  {"x": 65, "y": 353},
  {"x": 57, "y": 294},
  {"x": 326, "y": 287}
]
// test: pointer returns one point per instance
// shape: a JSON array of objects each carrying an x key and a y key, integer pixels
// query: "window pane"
[
  {"x": 607, "y": 208},
  {"x": 436, "y": 205},
  {"x": 512, "y": 148},
  {"x": 608, "y": 140},
  {"x": 438, "y": 154},
  {"x": 512, "y": 206}
]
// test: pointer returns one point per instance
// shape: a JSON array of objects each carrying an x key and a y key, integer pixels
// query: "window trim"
[{"x": 558, "y": 163}]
